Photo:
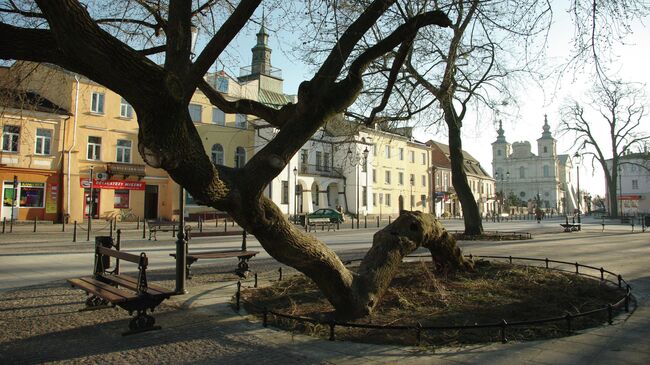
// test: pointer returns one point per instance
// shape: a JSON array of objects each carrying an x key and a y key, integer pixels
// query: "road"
[{"x": 29, "y": 259}]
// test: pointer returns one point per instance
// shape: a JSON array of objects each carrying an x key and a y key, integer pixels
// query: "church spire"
[
  {"x": 500, "y": 136},
  {"x": 546, "y": 134},
  {"x": 261, "y": 52}
]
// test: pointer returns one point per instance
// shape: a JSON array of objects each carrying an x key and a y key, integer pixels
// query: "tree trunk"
[{"x": 471, "y": 215}]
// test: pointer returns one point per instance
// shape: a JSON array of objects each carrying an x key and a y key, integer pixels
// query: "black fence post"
[
  {"x": 200, "y": 224},
  {"x": 388, "y": 219},
  {"x": 238, "y": 295},
  {"x": 35, "y": 219},
  {"x": 63, "y": 223},
  {"x": 352, "y": 221},
  {"x": 74, "y": 232},
  {"x": 225, "y": 224},
  {"x": 255, "y": 285},
  {"x": 174, "y": 230},
  {"x": 377, "y": 221},
  {"x": 144, "y": 229},
  {"x": 577, "y": 266},
  {"x": 138, "y": 224},
  {"x": 243, "y": 241},
  {"x": 504, "y": 324},
  {"x": 4, "y": 223},
  {"x": 365, "y": 221}
]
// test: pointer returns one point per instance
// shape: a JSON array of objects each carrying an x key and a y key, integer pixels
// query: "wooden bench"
[
  {"x": 320, "y": 222},
  {"x": 243, "y": 255},
  {"x": 109, "y": 287},
  {"x": 161, "y": 226},
  {"x": 568, "y": 227}
]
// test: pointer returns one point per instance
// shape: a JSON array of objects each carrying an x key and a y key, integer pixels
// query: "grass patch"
[{"x": 495, "y": 291}]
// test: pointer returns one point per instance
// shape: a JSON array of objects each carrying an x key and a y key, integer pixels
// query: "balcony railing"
[
  {"x": 267, "y": 70},
  {"x": 319, "y": 170}
]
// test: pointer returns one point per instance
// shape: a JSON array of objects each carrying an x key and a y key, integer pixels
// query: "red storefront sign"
[
  {"x": 629, "y": 197},
  {"x": 113, "y": 184}
]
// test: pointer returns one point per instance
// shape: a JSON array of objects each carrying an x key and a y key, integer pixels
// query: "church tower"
[
  {"x": 500, "y": 147},
  {"x": 546, "y": 144},
  {"x": 261, "y": 64}
]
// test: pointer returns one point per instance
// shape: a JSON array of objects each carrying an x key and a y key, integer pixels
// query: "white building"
[
  {"x": 634, "y": 183},
  {"x": 545, "y": 177}
]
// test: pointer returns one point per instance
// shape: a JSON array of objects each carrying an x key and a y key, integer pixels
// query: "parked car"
[{"x": 332, "y": 214}]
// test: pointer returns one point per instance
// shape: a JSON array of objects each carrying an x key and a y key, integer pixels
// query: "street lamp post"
[
  {"x": 577, "y": 156},
  {"x": 181, "y": 244},
  {"x": 356, "y": 161},
  {"x": 412, "y": 181},
  {"x": 295, "y": 194},
  {"x": 90, "y": 205}
]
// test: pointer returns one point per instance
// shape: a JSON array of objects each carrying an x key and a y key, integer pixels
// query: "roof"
[
  {"x": 440, "y": 158},
  {"x": 29, "y": 100},
  {"x": 273, "y": 99}
]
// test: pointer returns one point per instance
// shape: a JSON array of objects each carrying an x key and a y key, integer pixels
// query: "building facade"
[
  {"x": 633, "y": 196},
  {"x": 526, "y": 181}
]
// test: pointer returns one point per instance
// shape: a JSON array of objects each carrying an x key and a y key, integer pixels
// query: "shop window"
[
  {"x": 94, "y": 148},
  {"x": 126, "y": 110},
  {"x": 97, "y": 103},
  {"x": 9, "y": 194},
  {"x": 285, "y": 192},
  {"x": 123, "y": 151},
  {"x": 121, "y": 199},
  {"x": 43, "y": 141},
  {"x": 32, "y": 195},
  {"x": 10, "y": 137}
]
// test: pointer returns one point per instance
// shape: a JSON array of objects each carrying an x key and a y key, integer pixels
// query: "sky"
[{"x": 523, "y": 124}]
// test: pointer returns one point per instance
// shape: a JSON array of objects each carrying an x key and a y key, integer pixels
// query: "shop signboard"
[
  {"x": 113, "y": 184},
  {"x": 51, "y": 198}
]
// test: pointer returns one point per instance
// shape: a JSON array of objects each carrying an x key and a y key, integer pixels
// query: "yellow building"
[{"x": 99, "y": 139}]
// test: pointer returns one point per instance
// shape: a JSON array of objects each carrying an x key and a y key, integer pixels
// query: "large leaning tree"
[
  {"x": 82, "y": 38},
  {"x": 606, "y": 127}
]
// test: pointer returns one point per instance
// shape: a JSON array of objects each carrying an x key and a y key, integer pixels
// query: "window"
[
  {"x": 217, "y": 154},
  {"x": 97, "y": 103},
  {"x": 545, "y": 149},
  {"x": 218, "y": 116},
  {"x": 374, "y": 175},
  {"x": 195, "y": 112},
  {"x": 498, "y": 152},
  {"x": 326, "y": 161},
  {"x": 374, "y": 199},
  {"x": 240, "y": 121},
  {"x": 285, "y": 192},
  {"x": 10, "y": 136},
  {"x": 400, "y": 178},
  {"x": 319, "y": 161},
  {"x": 121, "y": 199},
  {"x": 240, "y": 157},
  {"x": 387, "y": 177},
  {"x": 364, "y": 196},
  {"x": 222, "y": 84},
  {"x": 547, "y": 171},
  {"x": 522, "y": 172},
  {"x": 424, "y": 158},
  {"x": 387, "y": 200},
  {"x": 424, "y": 180},
  {"x": 126, "y": 110},
  {"x": 387, "y": 151},
  {"x": 123, "y": 151},
  {"x": 94, "y": 148},
  {"x": 635, "y": 184},
  {"x": 412, "y": 156},
  {"x": 401, "y": 154},
  {"x": 32, "y": 195},
  {"x": 43, "y": 141}
]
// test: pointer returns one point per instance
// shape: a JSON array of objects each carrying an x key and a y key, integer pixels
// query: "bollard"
[
  {"x": 602, "y": 274},
  {"x": 233, "y": 222},
  {"x": 243, "y": 242},
  {"x": 620, "y": 280},
  {"x": 225, "y": 224},
  {"x": 74, "y": 232},
  {"x": 546, "y": 260},
  {"x": 238, "y": 295},
  {"x": 11, "y": 225},
  {"x": 352, "y": 221},
  {"x": 216, "y": 221},
  {"x": 200, "y": 224},
  {"x": 138, "y": 224},
  {"x": 280, "y": 271},
  {"x": 4, "y": 223},
  {"x": 255, "y": 285},
  {"x": 144, "y": 228},
  {"x": 627, "y": 299},
  {"x": 377, "y": 221},
  {"x": 577, "y": 267},
  {"x": 365, "y": 221},
  {"x": 35, "y": 218},
  {"x": 63, "y": 224},
  {"x": 389, "y": 220}
]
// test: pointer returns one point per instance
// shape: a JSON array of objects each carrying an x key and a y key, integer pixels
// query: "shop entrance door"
[
  {"x": 8, "y": 198},
  {"x": 95, "y": 204},
  {"x": 151, "y": 202}
]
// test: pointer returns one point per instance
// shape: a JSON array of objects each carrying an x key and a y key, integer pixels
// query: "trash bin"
[{"x": 104, "y": 241}]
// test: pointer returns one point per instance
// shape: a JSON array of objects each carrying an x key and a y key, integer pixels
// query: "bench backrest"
[
  {"x": 136, "y": 259},
  {"x": 319, "y": 220}
]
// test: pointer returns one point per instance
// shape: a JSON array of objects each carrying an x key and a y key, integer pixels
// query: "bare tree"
[
  {"x": 81, "y": 38},
  {"x": 608, "y": 129}
]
